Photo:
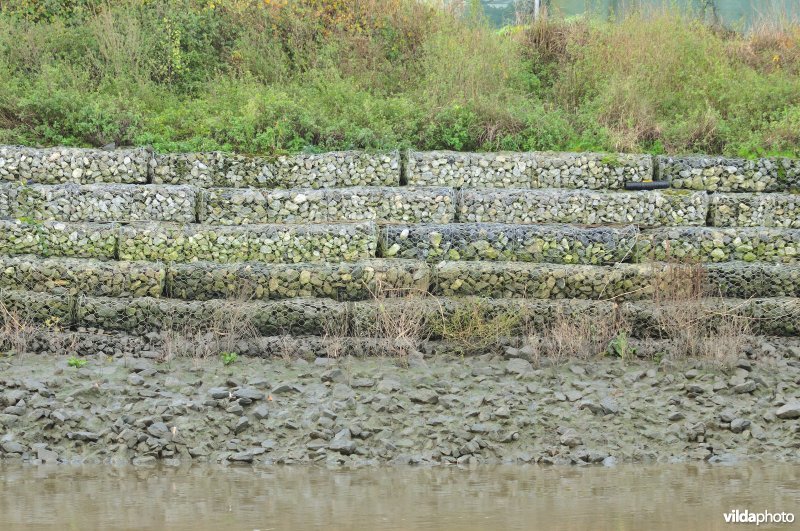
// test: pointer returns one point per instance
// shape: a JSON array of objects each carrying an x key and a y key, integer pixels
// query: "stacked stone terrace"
[{"x": 132, "y": 241}]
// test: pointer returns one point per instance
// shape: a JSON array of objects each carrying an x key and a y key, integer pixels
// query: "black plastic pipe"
[{"x": 652, "y": 185}]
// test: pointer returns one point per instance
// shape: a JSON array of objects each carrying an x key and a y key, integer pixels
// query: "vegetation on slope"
[{"x": 269, "y": 76}]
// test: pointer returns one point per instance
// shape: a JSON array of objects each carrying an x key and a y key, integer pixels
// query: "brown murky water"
[{"x": 518, "y": 497}]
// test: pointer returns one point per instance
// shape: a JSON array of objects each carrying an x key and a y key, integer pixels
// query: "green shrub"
[
  {"x": 228, "y": 358},
  {"x": 76, "y": 362},
  {"x": 314, "y": 75}
]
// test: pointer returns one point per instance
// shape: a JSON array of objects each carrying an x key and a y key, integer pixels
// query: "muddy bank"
[{"x": 449, "y": 410}]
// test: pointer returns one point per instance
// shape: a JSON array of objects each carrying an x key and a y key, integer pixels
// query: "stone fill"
[{"x": 393, "y": 244}]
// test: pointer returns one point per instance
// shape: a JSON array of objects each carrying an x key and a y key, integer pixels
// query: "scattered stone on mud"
[
  {"x": 738, "y": 425},
  {"x": 242, "y": 424},
  {"x": 789, "y": 411},
  {"x": 747, "y": 387},
  {"x": 343, "y": 443},
  {"x": 424, "y": 396},
  {"x": 249, "y": 394},
  {"x": 355, "y": 412},
  {"x": 518, "y": 366},
  {"x": 219, "y": 393},
  {"x": 12, "y": 447},
  {"x": 83, "y": 436},
  {"x": 570, "y": 438}
]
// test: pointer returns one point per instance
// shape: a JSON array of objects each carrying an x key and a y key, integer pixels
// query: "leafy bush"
[
  {"x": 75, "y": 362},
  {"x": 229, "y": 358},
  {"x": 274, "y": 76}
]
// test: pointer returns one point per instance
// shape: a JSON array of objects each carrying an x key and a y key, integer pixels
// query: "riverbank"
[{"x": 441, "y": 410}]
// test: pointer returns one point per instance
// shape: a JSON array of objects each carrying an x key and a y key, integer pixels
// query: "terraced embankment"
[
  {"x": 130, "y": 253},
  {"x": 134, "y": 241}
]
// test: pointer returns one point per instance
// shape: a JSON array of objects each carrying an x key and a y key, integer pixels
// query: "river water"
[{"x": 398, "y": 498}]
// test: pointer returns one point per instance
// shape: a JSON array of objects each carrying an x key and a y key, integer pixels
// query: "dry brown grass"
[
  {"x": 19, "y": 335},
  {"x": 473, "y": 328},
  {"x": 402, "y": 325},
  {"x": 550, "y": 37},
  {"x": 224, "y": 331},
  {"x": 335, "y": 333},
  {"x": 572, "y": 336},
  {"x": 683, "y": 310},
  {"x": 686, "y": 313},
  {"x": 405, "y": 331},
  {"x": 16, "y": 333},
  {"x": 696, "y": 320},
  {"x": 772, "y": 44}
]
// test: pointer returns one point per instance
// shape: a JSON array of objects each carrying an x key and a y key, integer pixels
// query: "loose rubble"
[{"x": 354, "y": 412}]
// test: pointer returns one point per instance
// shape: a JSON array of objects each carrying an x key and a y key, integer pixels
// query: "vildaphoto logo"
[{"x": 764, "y": 517}]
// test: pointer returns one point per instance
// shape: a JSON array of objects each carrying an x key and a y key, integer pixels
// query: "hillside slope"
[{"x": 273, "y": 76}]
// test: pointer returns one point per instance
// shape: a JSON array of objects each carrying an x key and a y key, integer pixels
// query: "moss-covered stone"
[
  {"x": 257, "y": 281},
  {"x": 587, "y": 207},
  {"x": 713, "y": 244},
  {"x": 560, "y": 244},
  {"x": 53, "y": 238},
  {"x": 262, "y": 243},
  {"x": 74, "y": 165},
  {"x": 102, "y": 202},
  {"x": 755, "y": 210},
  {"x": 73, "y": 276}
]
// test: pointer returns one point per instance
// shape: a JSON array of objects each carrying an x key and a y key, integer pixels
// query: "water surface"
[{"x": 205, "y": 497}]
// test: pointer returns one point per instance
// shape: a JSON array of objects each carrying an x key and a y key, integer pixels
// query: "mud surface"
[{"x": 446, "y": 409}]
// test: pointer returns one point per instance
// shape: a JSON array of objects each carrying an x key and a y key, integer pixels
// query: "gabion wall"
[
  {"x": 710, "y": 244},
  {"x": 145, "y": 314},
  {"x": 101, "y": 202},
  {"x": 652, "y": 209},
  {"x": 789, "y": 173},
  {"x": 8, "y": 201},
  {"x": 54, "y": 238},
  {"x": 621, "y": 282},
  {"x": 358, "y": 168},
  {"x": 730, "y": 175},
  {"x": 231, "y": 206},
  {"x": 263, "y": 243},
  {"x": 344, "y": 281},
  {"x": 74, "y": 165},
  {"x": 435, "y": 316},
  {"x": 744, "y": 281},
  {"x": 596, "y": 171},
  {"x": 326, "y": 170},
  {"x": 350, "y": 242},
  {"x": 527, "y": 170},
  {"x": 756, "y": 210},
  {"x": 210, "y": 169},
  {"x": 57, "y": 310},
  {"x": 375, "y": 278},
  {"x": 337, "y": 169},
  {"x": 476, "y": 170},
  {"x": 169, "y": 242},
  {"x": 545, "y": 281},
  {"x": 82, "y": 277},
  {"x": 561, "y": 244},
  {"x": 438, "y": 317},
  {"x": 774, "y": 316}
]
